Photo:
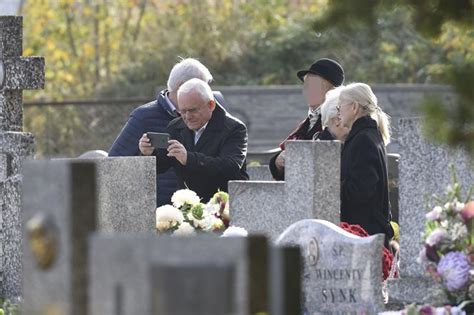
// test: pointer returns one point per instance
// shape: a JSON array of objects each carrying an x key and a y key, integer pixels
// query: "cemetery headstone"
[
  {"x": 424, "y": 170},
  {"x": 59, "y": 212},
  {"x": 311, "y": 190},
  {"x": 342, "y": 272},
  {"x": 147, "y": 274}
]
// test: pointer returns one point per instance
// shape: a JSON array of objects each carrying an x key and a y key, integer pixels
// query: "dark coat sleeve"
[
  {"x": 276, "y": 173},
  {"x": 361, "y": 181},
  {"x": 126, "y": 143},
  {"x": 230, "y": 160}
]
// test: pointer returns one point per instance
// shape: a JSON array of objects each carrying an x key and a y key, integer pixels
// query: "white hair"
[
  {"x": 185, "y": 70},
  {"x": 329, "y": 107},
  {"x": 362, "y": 94},
  {"x": 198, "y": 86}
]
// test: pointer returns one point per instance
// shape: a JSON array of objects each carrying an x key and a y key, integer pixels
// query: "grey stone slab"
[
  {"x": 259, "y": 173},
  {"x": 200, "y": 289},
  {"x": 11, "y": 36},
  {"x": 393, "y": 161},
  {"x": 312, "y": 179},
  {"x": 424, "y": 170},
  {"x": 17, "y": 73},
  {"x": 126, "y": 193},
  {"x": 342, "y": 272},
  {"x": 121, "y": 266},
  {"x": 286, "y": 280},
  {"x": 15, "y": 147},
  {"x": 59, "y": 212},
  {"x": 10, "y": 237},
  {"x": 259, "y": 207},
  {"x": 311, "y": 190},
  {"x": 22, "y": 73}
]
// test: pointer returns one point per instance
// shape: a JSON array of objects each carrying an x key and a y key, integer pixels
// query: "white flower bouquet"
[{"x": 188, "y": 216}]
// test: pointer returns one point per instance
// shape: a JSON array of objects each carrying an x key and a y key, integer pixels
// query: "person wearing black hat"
[{"x": 322, "y": 76}]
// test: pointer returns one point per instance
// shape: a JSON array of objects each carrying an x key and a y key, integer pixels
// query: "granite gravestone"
[
  {"x": 126, "y": 189},
  {"x": 146, "y": 274},
  {"x": 424, "y": 170},
  {"x": 311, "y": 190},
  {"x": 16, "y": 74},
  {"x": 59, "y": 212},
  {"x": 342, "y": 272}
]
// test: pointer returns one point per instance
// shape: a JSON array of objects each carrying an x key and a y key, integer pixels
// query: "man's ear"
[{"x": 212, "y": 104}]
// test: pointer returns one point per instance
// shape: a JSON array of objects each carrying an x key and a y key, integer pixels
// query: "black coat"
[
  {"x": 219, "y": 155},
  {"x": 364, "y": 176}
]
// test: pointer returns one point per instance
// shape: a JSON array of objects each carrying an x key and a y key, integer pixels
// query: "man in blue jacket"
[{"x": 155, "y": 117}]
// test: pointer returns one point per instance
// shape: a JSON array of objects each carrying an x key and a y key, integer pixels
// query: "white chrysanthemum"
[
  {"x": 213, "y": 224},
  {"x": 434, "y": 214},
  {"x": 235, "y": 231},
  {"x": 458, "y": 231},
  {"x": 185, "y": 196},
  {"x": 167, "y": 217},
  {"x": 185, "y": 229},
  {"x": 199, "y": 224}
]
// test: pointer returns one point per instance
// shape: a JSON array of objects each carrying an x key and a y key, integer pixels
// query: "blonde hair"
[
  {"x": 362, "y": 94},
  {"x": 329, "y": 107}
]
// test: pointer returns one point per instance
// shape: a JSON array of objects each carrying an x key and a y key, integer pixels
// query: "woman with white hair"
[
  {"x": 364, "y": 179},
  {"x": 332, "y": 127}
]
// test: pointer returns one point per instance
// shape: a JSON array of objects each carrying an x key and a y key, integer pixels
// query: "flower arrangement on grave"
[
  {"x": 449, "y": 242},
  {"x": 188, "y": 215}
]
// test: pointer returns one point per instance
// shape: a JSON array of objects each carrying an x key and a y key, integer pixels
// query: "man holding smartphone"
[
  {"x": 155, "y": 117},
  {"x": 207, "y": 146}
]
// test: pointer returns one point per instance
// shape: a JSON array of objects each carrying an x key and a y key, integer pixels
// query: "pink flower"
[{"x": 467, "y": 213}]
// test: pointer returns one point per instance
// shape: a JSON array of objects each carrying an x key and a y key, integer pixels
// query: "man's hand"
[
  {"x": 280, "y": 161},
  {"x": 145, "y": 145},
  {"x": 178, "y": 151}
]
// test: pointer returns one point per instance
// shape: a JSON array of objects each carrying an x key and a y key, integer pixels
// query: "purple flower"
[
  {"x": 454, "y": 269},
  {"x": 426, "y": 310},
  {"x": 436, "y": 236}
]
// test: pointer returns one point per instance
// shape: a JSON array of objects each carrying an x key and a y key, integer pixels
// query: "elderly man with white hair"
[
  {"x": 208, "y": 146},
  {"x": 155, "y": 117}
]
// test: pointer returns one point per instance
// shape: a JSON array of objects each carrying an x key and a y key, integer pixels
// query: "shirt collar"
[
  {"x": 314, "y": 112},
  {"x": 170, "y": 103}
]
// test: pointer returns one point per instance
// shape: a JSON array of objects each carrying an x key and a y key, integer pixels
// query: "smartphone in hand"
[{"x": 158, "y": 140}]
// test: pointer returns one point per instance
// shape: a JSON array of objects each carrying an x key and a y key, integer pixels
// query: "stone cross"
[{"x": 17, "y": 73}]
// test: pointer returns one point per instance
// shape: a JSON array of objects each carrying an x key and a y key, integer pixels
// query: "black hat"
[{"x": 327, "y": 69}]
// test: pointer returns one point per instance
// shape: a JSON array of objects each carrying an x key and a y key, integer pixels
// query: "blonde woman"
[{"x": 364, "y": 188}]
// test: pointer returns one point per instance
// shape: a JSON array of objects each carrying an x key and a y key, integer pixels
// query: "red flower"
[{"x": 387, "y": 257}]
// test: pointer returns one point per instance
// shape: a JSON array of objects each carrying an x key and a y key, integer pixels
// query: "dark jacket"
[
  {"x": 219, "y": 155},
  {"x": 300, "y": 133},
  {"x": 151, "y": 117},
  {"x": 364, "y": 179}
]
